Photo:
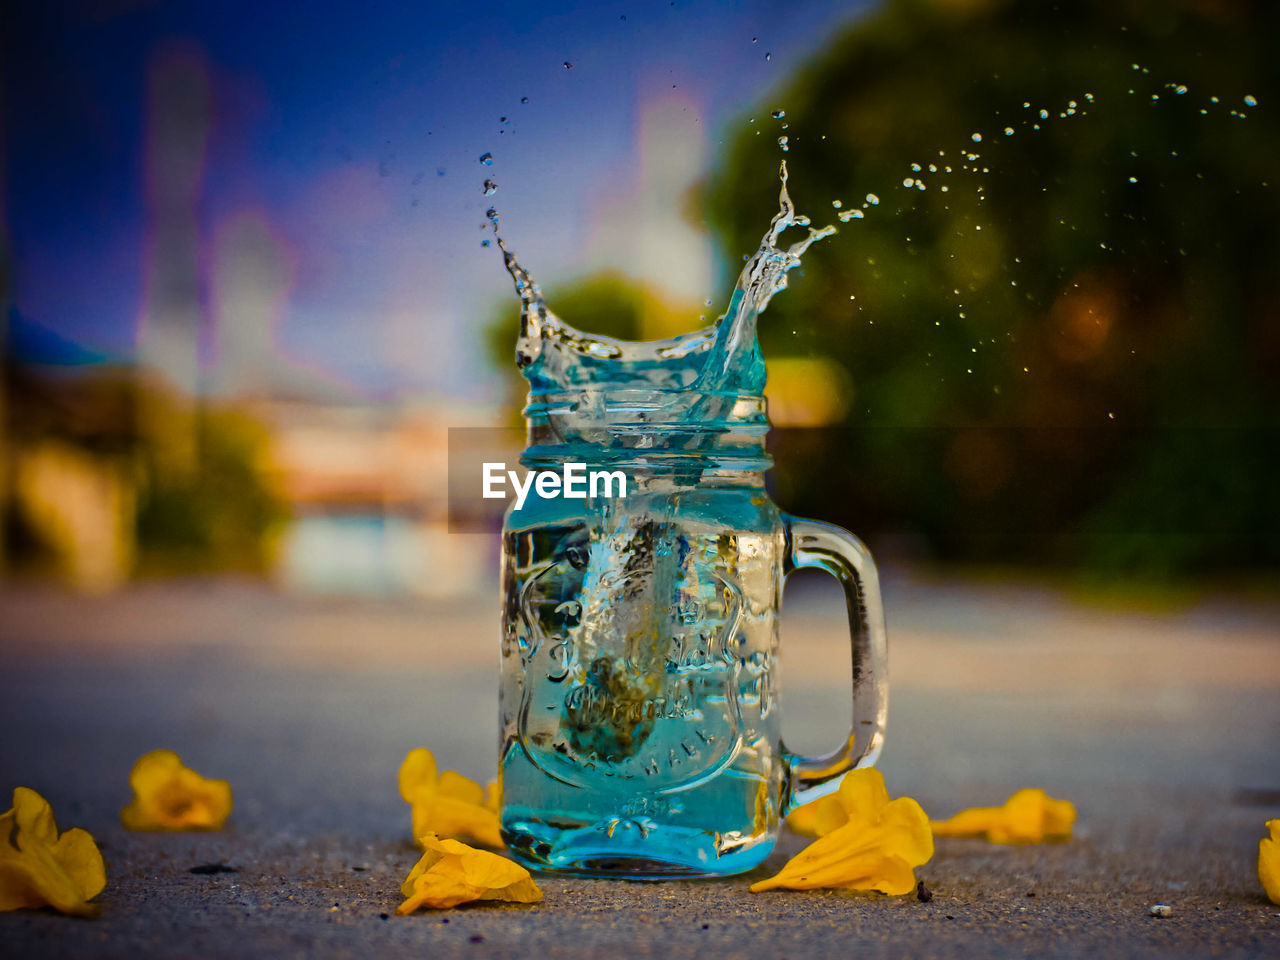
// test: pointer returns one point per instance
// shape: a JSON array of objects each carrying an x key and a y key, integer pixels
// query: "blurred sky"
[{"x": 344, "y": 139}]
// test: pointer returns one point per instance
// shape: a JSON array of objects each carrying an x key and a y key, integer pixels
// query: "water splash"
[{"x": 723, "y": 359}]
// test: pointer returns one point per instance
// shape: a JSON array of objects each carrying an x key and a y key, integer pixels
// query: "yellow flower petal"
[
  {"x": 417, "y": 774},
  {"x": 761, "y": 809},
  {"x": 1029, "y": 816},
  {"x": 449, "y": 805},
  {"x": 878, "y": 846},
  {"x": 1269, "y": 861},
  {"x": 451, "y": 817},
  {"x": 38, "y": 868},
  {"x": 78, "y": 855},
  {"x": 451, "y": 873},
  {"x": 167, "y": 795},
  {"x": 454, "y": 784},
  {"x": 861, "y": 796},
  {"x": 493, "y": 796},
  {"x": 33, "y": 816}
]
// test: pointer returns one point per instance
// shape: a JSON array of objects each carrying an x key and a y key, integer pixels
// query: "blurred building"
[
  {"x": 643, "y": 228},
  {"x": 178, "y": 111},
  {"x": 251, "y": 276},
  {"x": 367, "y": 487}
]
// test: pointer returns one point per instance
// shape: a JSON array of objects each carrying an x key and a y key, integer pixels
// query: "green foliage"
[
  {"x": 1072, "y": 354},
  {"x": 222, "y": 515}
]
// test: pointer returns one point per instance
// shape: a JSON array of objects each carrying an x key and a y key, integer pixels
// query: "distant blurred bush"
[
  {"x": 221, "y": 516},
  {"x": 95, "y": 498}
]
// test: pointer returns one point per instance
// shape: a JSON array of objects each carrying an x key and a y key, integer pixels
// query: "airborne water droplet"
[
  {"x": 872, "y": 199},
  {"x": 1180, "y": 88},
  {"x": 1250, "y": 100},
  {"x": 490, "y": 188},
  {"x": 778, "y": 114},
  {"x": 976, "y": 138},
  {"x": 486, "y": 159},
  {"x": 782, "y": 142},
  {"x": 837, "y": 204},
  {"x": 524, "y": 99},
  {"x": 1008, "y": 131},
  {"x": 1044, "y": 114},
  {"x": 847, "y": 215},
  {"x": 491, "y": 215},
  {"x": 568, "y": 65}
]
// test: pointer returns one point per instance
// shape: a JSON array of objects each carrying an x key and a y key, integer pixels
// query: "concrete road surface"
[{"x": 1162, "y": 726}]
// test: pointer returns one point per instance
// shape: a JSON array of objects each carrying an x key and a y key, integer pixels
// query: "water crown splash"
[{"x": 719, "y": 361}]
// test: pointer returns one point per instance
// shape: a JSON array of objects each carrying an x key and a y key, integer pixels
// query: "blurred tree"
[
  {"x": 221, "y": 517},
  {"x": 1060, "y": 318}
]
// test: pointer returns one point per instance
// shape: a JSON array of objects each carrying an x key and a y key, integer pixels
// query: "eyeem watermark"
[{"x": 573, "y": 482}]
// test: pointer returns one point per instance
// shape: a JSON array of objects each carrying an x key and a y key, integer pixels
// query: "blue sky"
[{"x": 353, "y": 131}]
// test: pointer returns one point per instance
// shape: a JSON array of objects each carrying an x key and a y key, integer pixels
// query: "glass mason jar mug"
[{"x": 640, "y": 734}]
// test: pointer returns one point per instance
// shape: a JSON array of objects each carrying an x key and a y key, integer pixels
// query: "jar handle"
[{"x": 827, "y": 547}]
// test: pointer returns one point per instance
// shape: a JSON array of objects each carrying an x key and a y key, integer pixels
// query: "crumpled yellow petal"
[
  {"x": 38, "y": 868},
  {"x": 417, "y": 774},
  {"x": 455, "y": 785},
  {"x": 861, "y": 796},
  {"x": 451, "y": 817},
  {"x": 1269, "y": 861},
  {"x": 761, "y": 809},
  {"x": 168, "y": 795},
  {"x": 449, "y": 805},
  {"x": 878, "y": 846},
  {"x": 1029, "y": 816},
  {"x": 451, "y": 873}
]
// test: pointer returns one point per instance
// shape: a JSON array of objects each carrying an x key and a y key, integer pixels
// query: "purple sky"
[{"x": 351, "y": 133}]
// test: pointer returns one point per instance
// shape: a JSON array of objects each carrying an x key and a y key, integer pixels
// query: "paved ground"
[{"x": 1163, "y": 727}]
